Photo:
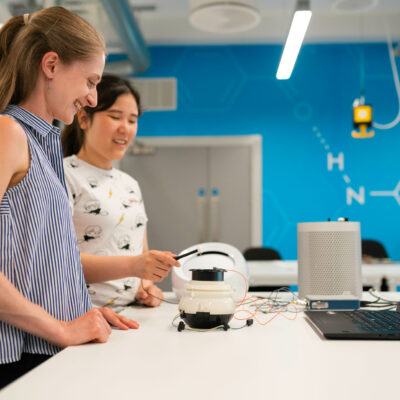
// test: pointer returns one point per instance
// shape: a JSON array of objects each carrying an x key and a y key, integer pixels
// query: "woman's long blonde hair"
[{"x": 24, "y": 40}]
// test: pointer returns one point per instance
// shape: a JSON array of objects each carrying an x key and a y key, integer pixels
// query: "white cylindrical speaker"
[{"x": 329, "y": 258}]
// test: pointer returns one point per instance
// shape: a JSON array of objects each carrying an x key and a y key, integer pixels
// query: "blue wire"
[{"x": 240, "y": 327}]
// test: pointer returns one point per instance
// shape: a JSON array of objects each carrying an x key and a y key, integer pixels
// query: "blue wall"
[{"x": 232, "y": 90}]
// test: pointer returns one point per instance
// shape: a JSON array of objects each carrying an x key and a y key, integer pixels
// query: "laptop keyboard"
[{"x": 375, "y": 321}]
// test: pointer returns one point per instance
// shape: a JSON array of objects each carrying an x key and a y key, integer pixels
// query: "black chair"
[
  {"x": 261, "y": 253},
  {"x": 373, "y": 248}
]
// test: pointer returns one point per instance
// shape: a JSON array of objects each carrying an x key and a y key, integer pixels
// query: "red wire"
[{"x": 254, "y": 299}]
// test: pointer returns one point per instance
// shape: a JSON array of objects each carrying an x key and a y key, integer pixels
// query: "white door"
[{"x": 199, "y": 190}]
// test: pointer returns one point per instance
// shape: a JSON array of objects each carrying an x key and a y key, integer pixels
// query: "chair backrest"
[
  {"x": 261, "y": 253},
  {"x": 373, "y": 248}
]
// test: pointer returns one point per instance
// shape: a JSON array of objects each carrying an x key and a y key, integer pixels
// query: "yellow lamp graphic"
[{"x": 362, "y": 120}]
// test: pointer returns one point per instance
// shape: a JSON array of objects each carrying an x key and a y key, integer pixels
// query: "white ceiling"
[{"x": 167, "y": 21}]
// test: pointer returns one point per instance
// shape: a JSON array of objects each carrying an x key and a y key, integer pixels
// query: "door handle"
[
  {"x": 201, "y": 216},
  {"x": 214, "y": 215}
]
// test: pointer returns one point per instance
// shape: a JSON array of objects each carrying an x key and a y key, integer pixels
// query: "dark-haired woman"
[{"x": 108, "y": 210}]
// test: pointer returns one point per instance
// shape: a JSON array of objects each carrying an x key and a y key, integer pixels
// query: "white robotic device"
[
  {"x": 212, "y": 255},
  {"x": 207, "y": 297}
]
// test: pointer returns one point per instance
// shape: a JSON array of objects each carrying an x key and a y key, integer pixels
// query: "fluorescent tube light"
[{"x": 297, "y": 31}]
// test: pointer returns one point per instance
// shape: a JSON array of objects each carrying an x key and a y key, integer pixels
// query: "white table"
[
  {"x": 282, "y": 360},
  {"x": 284, "y": 273}
]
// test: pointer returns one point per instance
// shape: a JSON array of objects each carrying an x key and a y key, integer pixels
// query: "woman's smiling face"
[
  {"x": 110, "y": 132},
  {"x": 74, "y": 87}
]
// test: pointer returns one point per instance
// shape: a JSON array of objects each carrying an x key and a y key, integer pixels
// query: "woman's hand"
[
  {"x": 89, "y": 327},
  {"x": 118, "y": 320},
  {"x": 153, "y": 265},
  {"x": 93, "y": 326},
  {"x": 149, "y": 294}
]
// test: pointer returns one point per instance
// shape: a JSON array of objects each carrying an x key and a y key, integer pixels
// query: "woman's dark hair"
[{"x": 108, "y": 90}]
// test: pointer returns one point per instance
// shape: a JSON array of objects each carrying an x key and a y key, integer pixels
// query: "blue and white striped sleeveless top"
[{"x": 38, "y": 247}]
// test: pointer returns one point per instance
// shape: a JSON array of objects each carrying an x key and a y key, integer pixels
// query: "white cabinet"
[{"x": 199, "y": 189}]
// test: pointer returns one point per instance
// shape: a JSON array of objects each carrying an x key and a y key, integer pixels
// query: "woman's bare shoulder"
[
  {"x": 13, "y": 145},
  {"x": 6, "y": 121},
  {"x": 11, "y": 133}
]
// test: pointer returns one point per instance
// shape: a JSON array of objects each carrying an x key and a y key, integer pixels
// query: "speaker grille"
[{"x": 329, "y": 263}]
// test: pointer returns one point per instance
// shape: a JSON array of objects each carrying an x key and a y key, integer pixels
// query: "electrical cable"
[
  {"x": 156, "y": 297},
  {"x": 396, "y": 83},
  {"x": 187, "y": 254},
  {"x": 379, "y": 302},
  {"x": 380, "y": 299},
  {"x": 185, "y": 327},
  {"x": 253, "y": 300},
  {"x": 273, "y": 310},
  {"x": 221, "y": 253},
  {"x": 277, "y": 307}
]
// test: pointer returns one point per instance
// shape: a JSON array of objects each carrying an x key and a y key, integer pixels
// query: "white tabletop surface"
[
  {"x": 282, "y": 272},
  {"x": 281, "y": 360}
]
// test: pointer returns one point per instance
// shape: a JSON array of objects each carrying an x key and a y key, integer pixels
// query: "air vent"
[
  {"x": 157, "y": 94},
  {"x": 144, "y": 8},
  {"x": 354, "y": 6}
]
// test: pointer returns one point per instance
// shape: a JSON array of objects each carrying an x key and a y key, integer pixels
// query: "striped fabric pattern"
[{"x": 38, "y": 247}]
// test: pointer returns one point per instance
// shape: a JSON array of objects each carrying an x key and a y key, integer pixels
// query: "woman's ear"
[
  {"x": 83, "y": 119},
  {"x": 49, "y": 63}
]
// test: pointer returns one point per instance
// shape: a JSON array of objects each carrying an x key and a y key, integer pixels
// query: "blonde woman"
[{"x": 50, "y": 64}]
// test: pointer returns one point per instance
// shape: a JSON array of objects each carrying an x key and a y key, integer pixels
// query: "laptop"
[{"x": 358, "y": 324}]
